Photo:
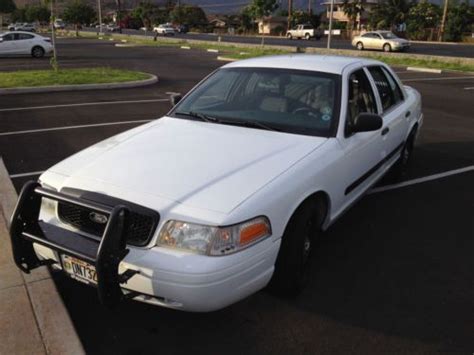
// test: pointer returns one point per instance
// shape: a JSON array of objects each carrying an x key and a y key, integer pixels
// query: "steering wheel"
[{"x": 309, "y": 111}]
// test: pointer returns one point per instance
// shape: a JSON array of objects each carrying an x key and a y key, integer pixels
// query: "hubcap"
[{"x": 306, "y": 249}]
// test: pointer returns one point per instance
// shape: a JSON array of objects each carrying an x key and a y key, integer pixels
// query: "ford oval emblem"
[{"x": 98, "y": 218}]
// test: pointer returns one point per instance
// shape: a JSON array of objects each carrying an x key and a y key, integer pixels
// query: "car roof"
[{"x": 313, "y": 62}]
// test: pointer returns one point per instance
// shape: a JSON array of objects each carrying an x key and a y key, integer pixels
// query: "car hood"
[{"x": 198, "y": 164}]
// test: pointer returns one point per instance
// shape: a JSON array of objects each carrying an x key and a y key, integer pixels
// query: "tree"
[
  {"x": 262, "y": 8},
  {"x": 300, "y": 16},
  {"x": 352, "y": 9},
  {"x": 460, "y": 20},
  {"x": 144, "y": 11},
  {"x": 78, "y": 13},
  {"x": 6, "y": 7},
  {"x": 389, "y": 13},
  {"x": 193, "y": 16},
  {"x": 422, "y": 17},
  {"x": 37, "y": 13}
]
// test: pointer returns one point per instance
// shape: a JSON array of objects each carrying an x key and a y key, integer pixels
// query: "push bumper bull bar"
[{"x": 105, "y": 255}]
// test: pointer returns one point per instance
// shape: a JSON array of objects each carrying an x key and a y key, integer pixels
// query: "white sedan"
[
  {"x": 226, "y": 194},
  {"x": 24, "y": 43},
  {"x": 164, "y": 30}
]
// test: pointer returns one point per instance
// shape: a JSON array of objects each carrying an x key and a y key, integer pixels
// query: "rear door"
[{"x": 394, "y": 111}]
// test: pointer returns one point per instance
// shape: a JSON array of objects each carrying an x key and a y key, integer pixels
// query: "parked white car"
[
  {"x": 24, "y": 43},
  {"x": 303, "y": 31},
  {"x": 225, "y": 194},
  {"x": 164, "y": 30},
  {"x": 381, "y": 40}
]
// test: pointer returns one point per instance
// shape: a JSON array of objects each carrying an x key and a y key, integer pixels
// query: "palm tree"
[{"x": 353, "y": 9}]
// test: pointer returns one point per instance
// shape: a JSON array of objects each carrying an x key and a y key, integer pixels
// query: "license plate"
[{"x": 79, "y": 270}]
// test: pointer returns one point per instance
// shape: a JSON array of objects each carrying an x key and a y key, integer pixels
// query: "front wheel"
[
  {"x": 37, "y": 52},
  {"x": 292, "y": 268},
  {"x": 387, "y": 47}
]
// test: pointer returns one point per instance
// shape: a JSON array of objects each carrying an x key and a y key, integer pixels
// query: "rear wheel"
[
  {"x": 399, "y": 169},
  {"x": 292, "y": 268},
  {"x": 387, "y": 47},
  {"x": 360, "y": 46},
  {"x": 37, "y": 52},
  {"x": 307, "y": 36},
  {"x": 289, "y": 36}
]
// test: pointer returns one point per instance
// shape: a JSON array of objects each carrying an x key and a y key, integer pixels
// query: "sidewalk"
[{"x": 33, "y": 319}]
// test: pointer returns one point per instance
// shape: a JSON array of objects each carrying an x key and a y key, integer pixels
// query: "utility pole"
[
  {"x": 310, "y": 11},
  {"x": 53, "y": 36},
  {"x": 443, "y": 21},
  {"x": 290, "y": 10},
  {"x": 330, "y": 24}
]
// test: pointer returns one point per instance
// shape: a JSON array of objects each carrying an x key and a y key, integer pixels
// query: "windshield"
[
  {"x": 388, "y": 35},
  {"x": 293, "y": 101}
]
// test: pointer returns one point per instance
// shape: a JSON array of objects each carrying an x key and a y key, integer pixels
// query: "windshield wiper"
[
  {"x": 198, "y": 115},
  {"x": 212, "y": 119},
  {"x": 252, "y": 124}
]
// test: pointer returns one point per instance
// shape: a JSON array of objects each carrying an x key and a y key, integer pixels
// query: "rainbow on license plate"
[{"x": 79, "y": 270}]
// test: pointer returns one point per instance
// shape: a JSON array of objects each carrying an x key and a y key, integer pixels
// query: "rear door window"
[{"x": 389, "y": 91}]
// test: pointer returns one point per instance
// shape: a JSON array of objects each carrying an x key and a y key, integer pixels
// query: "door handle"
[
  {"x": 407, "y": 114},
  {"x": 385, "y": 131}
]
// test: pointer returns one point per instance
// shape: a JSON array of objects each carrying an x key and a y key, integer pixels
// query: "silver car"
[{"x": 381, "y": 40}]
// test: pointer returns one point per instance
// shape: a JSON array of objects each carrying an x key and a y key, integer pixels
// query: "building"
[
  {"x": 340, "y": 16},
  {"x": 272, "y": 25}
]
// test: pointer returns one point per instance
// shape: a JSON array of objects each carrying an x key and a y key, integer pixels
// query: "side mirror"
[
  {"x": 367, "y": 122},
  {"x": 174, "y": 99}
]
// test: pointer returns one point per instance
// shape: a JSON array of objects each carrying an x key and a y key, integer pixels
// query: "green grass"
[{"x": 29, "y": 78}]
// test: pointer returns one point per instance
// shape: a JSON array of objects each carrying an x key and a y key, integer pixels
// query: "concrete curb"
[
  {"x": 425, "y": 70},
  {"x": 129, "y": 84},
  {"x": 226, "y": 59},
  {"x": 36, "y": 320},
  {"x": 126, "y": 45}
]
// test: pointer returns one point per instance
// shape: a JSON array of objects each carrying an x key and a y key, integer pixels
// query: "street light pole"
[
  {"x": 99, "y": 8},
  {"x": 330, "y": 24}
]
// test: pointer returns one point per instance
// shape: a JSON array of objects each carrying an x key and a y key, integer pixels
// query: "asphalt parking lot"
[{"x": 393, "y": 275}]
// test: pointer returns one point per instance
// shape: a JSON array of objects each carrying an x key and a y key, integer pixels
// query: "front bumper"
[{"x": 158, "y": 276}]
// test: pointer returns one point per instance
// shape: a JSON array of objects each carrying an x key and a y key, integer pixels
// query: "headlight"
[{"x": 210, "y": 240}]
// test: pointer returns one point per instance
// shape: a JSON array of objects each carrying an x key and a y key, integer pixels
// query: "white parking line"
[
  {"x": 423, "y": 179},
  {"x": 471, "y": 88},
  {"x": 3, "y": 134},
  {"x": 432, "y": 79},
  {"x": 99, "y": 103}
]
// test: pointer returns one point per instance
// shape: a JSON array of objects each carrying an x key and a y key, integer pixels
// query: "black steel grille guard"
[{"x": 105, "y": 255}]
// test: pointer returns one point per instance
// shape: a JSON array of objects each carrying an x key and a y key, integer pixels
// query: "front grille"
[{"x": 139, "y": 231}]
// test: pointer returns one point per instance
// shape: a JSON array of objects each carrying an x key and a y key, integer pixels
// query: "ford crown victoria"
[{"x": 226, "y": 194}]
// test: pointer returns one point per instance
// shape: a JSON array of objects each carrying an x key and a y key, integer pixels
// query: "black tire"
[
  {"x": 360, "y": 46},
  {"x": 307, "y": 36},
  {"x": 292, "y": 268},
  {"x": 37, "y": 52},
  {"x": 289, "y": 36},
  {"x": 387, "y": 47},
  {"x": 399, "y": 169}
]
